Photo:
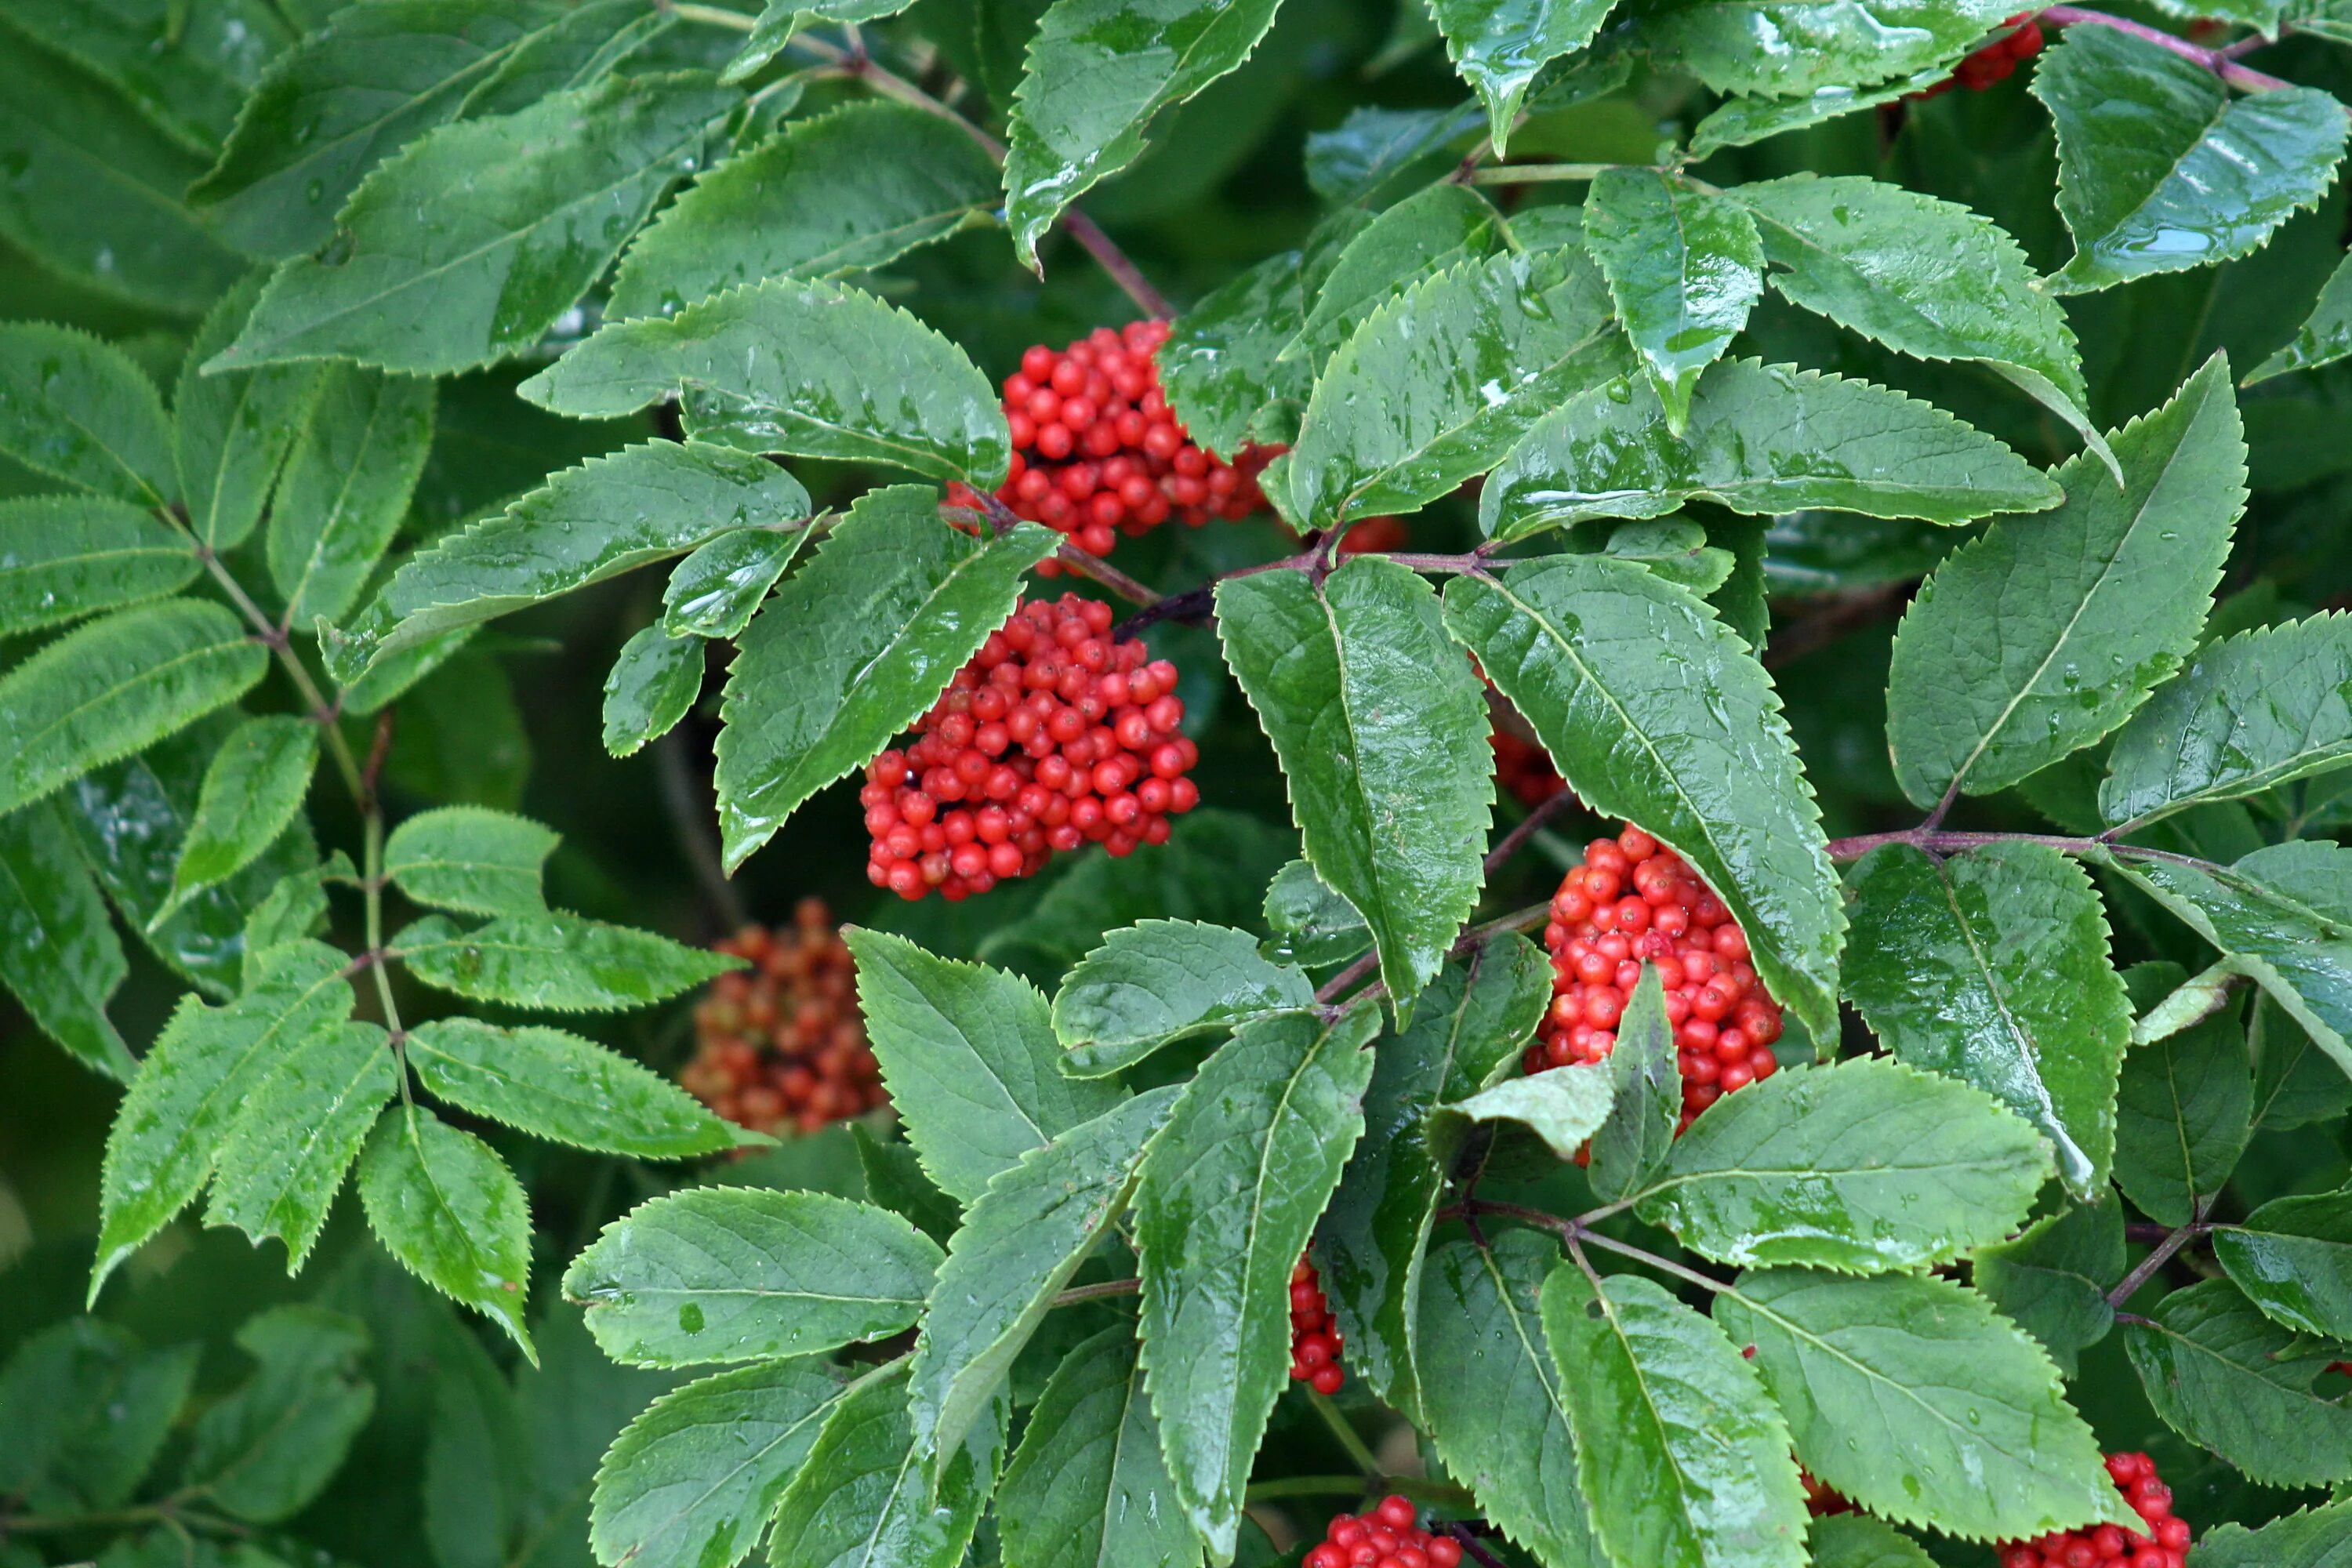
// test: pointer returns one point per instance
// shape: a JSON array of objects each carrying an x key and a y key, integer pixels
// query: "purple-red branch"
[{"x": 2221, "y": 62}]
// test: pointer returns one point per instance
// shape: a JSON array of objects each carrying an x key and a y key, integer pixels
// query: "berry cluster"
[
  {"x": 1097, "y": 452},
  {"x": 2164, "y": 1544},
  {"x": 1375, "y": 534},
  {"x": 1053, "y": 736},
  {"x": 782, "y": 1045},
  {"x": 1633, "y": 901},
  {"x": 1314, "y": 1341},
  {"x": 1390, "y": 1536},
  {"x": 1525, "y": 769},
  {"x": 1993, "y": 63}
]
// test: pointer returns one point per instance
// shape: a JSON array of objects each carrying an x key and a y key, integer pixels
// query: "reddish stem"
[{"x": 2219, "y": 61}]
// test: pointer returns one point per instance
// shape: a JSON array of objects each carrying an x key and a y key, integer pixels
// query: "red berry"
[
  {"x": 2106, "y": 1546},
  {"x": 782, "y": 1045},
  {"x": 1315, "y": 1342},
  {"x": 1389, "y": 1536}
]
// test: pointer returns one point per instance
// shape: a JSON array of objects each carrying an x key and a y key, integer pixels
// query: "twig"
[
  {"x": 2163, "y": 1255},
  {"x": 1113, "y": 260},
  {"x": 1097, "y": 568},
  {"x": 1531, "y": 174},
  {"x": 1528, "y": 826},
  {"x": 1828, "y": 622},
  {"x": 2220, "y": 62},
  {"x": 1478, "y": 1554}
]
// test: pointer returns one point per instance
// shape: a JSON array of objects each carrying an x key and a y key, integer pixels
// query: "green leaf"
[
  {"x": 1491, "y": 1390},
  {"x": 1421, "y": 236},
  {"x": 269, "y": 1448},
  {"x": 1088, "y": 1486},
  {"x": 551, "y": 192},
  {"x": 1157, "y": 982},
  {"x": 1656, "y": 713},
  {"x": 2227, "y": 1378},
  {"x": 2292, "y": 1259},
  {"x": 347, "y": 487},
  {"x": 857, "y": 647},
  {"x": 586, "y": 44},
  {"x": 2325, "y": 337},
  {"x": 78, "y": 410},
  {"x": 1684, "y": 1459},
  {"x": 1222, "y": 364},
  {"x": 1993, "y": 968},
  {"x": 1500, "y": 46},
  {"x": 714, "y": 1274},
  {"x": 284, "y": 1154},
  {"x": 205, "y": 1064},
  {"x": 557, "y": 962},
  {"x": 1909, "y": 1395},
  {"x": 1563, "y": 1106},
  {"x": 651, "y": 686},
  {"x": 1381, "y": 731},
  {"x": 790, "y": 365},
  {"x": 1631, "y": 1147},
  {"x": 1373, "y": 1237},
  {"x": 2315, "y": 1538},
  {"x": 860, "y": 1501},
  {"x": 63, "y": 557},
  {"x": 58, "y": 954},
  {"x": 1858, "y": 1540},
  {"x": 230, "y": 433},
  {"x": 472, "y": 858},
  {"x": 252, "y": 790},
  {"x": 2184, "y": 1111},
  {"x": 1438, "y": 384},
  {"x": 89, "y": 1409},
  {"x": 1228, "y": 1199},
  {"x": 1785, "y": 46},
  {"x": 2295, "y": 1083},
  {"x": 187, "y": 73},
  {"x": 559, "y": 1086},
  {"x": 2041, "y": 635},
  {"x": 780, "y": 19},
  {"x": 607, "y": 516},
  {"x": 714, "y": 592},
  {"x": 1021, "y": 1242},
  {"x": 1684, "y": 268},
  {"x": 971, "y": 1060},
  {"x": 2160, "y": 168},
  {"x": 1863, "y": 1166},
  {"x": 1314, "y": 924},
  {"x": 2053, "y": 1278},
  {"x": 2257, "y": 710},
  {"x": 693, "y": 1480},
  {"x": 1762, "y": 440},
  {"x": 895, "y": 1179},
  {"x": 1739, "y": 121},
  {"x": 848, "y": 191},
  {"x": 1374, "y": 145},
  {"x": 449, "y": 1212},
  {"x": 339, "y": 102}
]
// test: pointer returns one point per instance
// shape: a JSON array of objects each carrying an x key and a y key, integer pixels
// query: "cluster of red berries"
[
  {"x": 1097, "y": 452},
  {"x": 1053, "y": 736},
  {"x": 1314, "y": 1341},
  {"x": 1634, "y": 901},
  {"x": 782, "y": 1045},
  {"x": 1993, "y": 63},
  {"x": 2163, "y": 1544},
  {"x": 1390, "y": 1536}
]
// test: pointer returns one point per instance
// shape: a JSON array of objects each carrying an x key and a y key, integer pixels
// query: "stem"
[
  {"x": 1937, "y": 841},
  {"x": 1533, "y": 173},
  {"x": 1574, "y": 1232},
  {"x": 1097, "y": 568},
  {"x": 2162, "y": 1254},
  {"x": 1113, "y": 260},
  {"x": 1071, "y": 1298},
  {"x": 1529, "y": 825},
  {"x": 1470, "y": 563},
  {"x": 1420, "y": 1491},
  {"x": 1354, "y": 1446},
  {"x": 710, "y": 16},
  {"x": 2220, "y": 62},
  {"x": 1478, "y": 1554}
]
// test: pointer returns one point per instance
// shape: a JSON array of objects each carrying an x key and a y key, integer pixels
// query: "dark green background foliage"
[{"x": 1929, "y": 516}]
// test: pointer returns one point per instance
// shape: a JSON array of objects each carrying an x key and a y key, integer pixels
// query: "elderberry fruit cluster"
[
  {"x": 1099, "y": 453},
  {"x": 1054, "y": 736},
  {"x": 782, "y": 1045},
  {"x": 1993, "y": 63},
  {"x": 1314, "y": 1341},
  {"x": 1389, "y": 1536},
  {"x": 1634, "y": 901},
  {"x": 2163, "y": 1544}
]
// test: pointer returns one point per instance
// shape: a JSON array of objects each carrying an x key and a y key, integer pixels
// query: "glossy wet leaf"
[
  {"x": 555, "y": 961},
  {"x": 1440, "y": 383},
  {"x": 252, "y": 790},
  {"x": 346, "y": 487},
  {"x": 607, "y": 516},
  {"x": 1738, "y": 121},
  {"x": 1423, "y": 235},
  {"x": 1993, "y": 968},
  {"x": 1631, "y": 1146},
  {"x": 849, "y": 191},
  {"x": 283, "y": 1157},
  {"x": 1563, "y": 1106},
  {"x": 2051, "y": 1279},
  {"x": 1158, "y": 982},
  {"x": 1313, "y": 924},
  {"x": 1373, "y": 145},
  {"x": 2247, "y": 714},
  {"x": 186, "y": 69},
  {"x": 1227, "y": 1200},
  {"x": 1858, "y": 1540},
  {"x": 790, "y": 365},
  {"x": 59, "y": 956},
  {"x": 862, "y": 1499},
  {"x": 1907, "y": 1394},
  {"x": 692, "y": 1481},
  {"x": 1380, "y": 729},
  {"x": 1491, "y": 1393},
  {"x": 969, "y": 1058},
  {"x": 230, "y": 433},
  {"x": 652, "y": 683},
  {"x": 1684, "y": 1459},
  {"x": 1220, "y": 367},
  {"x": 1499, "y": 46},
  {"x": 1088, "y": 1486},
  {"x": 89, "y": 1409},
  {"x": 451, "y": 1213},
  {"x": 2325, "y": 337},
  {"x": 2317, "y": 1537},
  {"x": 556, "y": 1085},
  {"x": 2227, "y": 1378},
  {"x": 2161, "y": 167},
  {"x": 1761, "y": 439},
  {"x": 1684, "y": 267},
  {"x": 200, "y": 1069},
  {"x": 272, "y": 1446},
  {"x": 714, "y": 592},
  {"x": 472, "y": 858},
  {"x": 2043, "y": 634},
  {"x": 1784, "y": 47},
  {"x": 2183, "y": 1113},
  {"x": 2292, "y": 1259},
  {"x": 78, "y": 410},
  {"x": 780, "y": 19},
  {"x": 1654, "y": 712},
  {"x": 63, "y": 557},
  {"x": 717, "y": 1274},
  {"x": 1021, "y": 1242}
]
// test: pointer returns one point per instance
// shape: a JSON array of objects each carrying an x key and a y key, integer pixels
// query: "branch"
[
  {"x": 2163, "y": 1255},
  {"x": 1529, "y": 825},
  {"x": 2221, "y": 62},
  {"x": 1097, "y": 568},
  {"x": 1940, "y": 841}
]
